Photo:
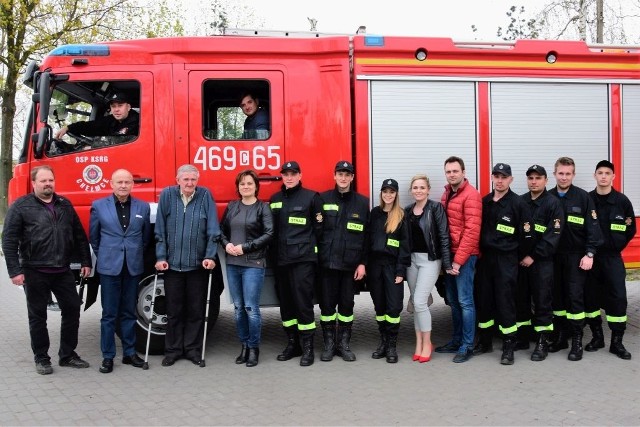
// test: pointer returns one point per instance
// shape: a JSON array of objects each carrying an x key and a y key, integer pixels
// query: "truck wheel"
[
  {"x": 159, "y": 323},
  {"x": 143, "y": 313}
]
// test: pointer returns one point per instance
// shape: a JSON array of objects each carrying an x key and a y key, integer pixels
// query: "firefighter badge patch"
[
  {"x": 556, "y": 223},
  {"x": 628, "y": 220},
  {"x": 526, "y": 227},
  {"x": 319, "y": 217},
  {"x": 594, "y": 215}
]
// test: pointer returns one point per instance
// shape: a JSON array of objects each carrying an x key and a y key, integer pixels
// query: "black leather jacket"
[
  {"x": 435, "y": 227},
  {"x": 258, "y": 228},
  {"x": 34, "y": 238}
]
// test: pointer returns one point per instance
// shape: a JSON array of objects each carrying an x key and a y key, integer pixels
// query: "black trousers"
[
  {"x": 496, "y": 291},
  {"x": 185, "y": 296},
  {"x": 606, "y": 288},
  {"x": 295, "y": 287},
  {"x": 387, "y": 296},
  {"x": 568, "y": 289},
  {"x": 535, "y": 284},
  {"x": 337, "y": 290},
  {"x": 38, "y": 289}
]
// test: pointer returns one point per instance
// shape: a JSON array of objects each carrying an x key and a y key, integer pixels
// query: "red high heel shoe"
[
  {"x": 416, "y": 357},
  {"x": 424, "y": 359}
]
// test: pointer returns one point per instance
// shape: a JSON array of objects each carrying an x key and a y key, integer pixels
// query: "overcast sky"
[{"x": 440, "y": 18}]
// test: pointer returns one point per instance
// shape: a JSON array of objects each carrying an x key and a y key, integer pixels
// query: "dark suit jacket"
[{"x": 111, "y": 244}]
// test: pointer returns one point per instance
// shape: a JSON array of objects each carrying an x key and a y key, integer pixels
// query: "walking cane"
[
  {"x": 81, "y": 290},
  {"x": 206, "y": 320},
  {"x": 145, "y": 365}
]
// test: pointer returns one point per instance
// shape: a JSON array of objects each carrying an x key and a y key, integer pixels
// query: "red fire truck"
[{"x": 394, "y": 106}]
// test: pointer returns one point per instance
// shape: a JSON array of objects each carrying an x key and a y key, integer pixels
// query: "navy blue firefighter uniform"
[
  {"x": 343, "y": 247},
  {"x": 389, "y": 256},
  {"x": 580, "y": 236},
  {"x": 606, "y": 283},
  {"x": 297, "y": 214},
  {"x": 535, "y": 283},
  {"x": 505, "y": 238}
]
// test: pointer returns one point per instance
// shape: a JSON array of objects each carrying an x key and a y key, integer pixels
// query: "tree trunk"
[
  {"x": 599, "y": 21},
  {"x": 582, "y": 20},
  {"x": 6, "y": 137}
]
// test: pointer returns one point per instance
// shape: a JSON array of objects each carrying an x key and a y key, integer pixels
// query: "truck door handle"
[{"x": 142, "y": 180}]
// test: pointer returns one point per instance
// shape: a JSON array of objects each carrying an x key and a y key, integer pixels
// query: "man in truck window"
[
  {"x": 256, "y": 125},
  {"x": 123, "y": 121},
  {"x": 41, "y": 233}
]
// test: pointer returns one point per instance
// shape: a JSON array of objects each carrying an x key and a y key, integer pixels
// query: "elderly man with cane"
[{"x": 186, "y": 232}]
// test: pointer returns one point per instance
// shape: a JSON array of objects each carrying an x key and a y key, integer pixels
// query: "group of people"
[{"x": 558, "y": 251}]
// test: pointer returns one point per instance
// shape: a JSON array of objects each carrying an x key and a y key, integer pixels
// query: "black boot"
[
  {"x": 344, "y": 338},
  {"x": 616, "y": 345},
  {"x": 252, "y": 359},
  {"x": 575, "y": 353},
  {"x": 381, "y": 351},
  {"x": 561, "y": 339},
  {"x": 244, "y": 354},
  {"x": 329, "y": 337},
  {"x": 508, "y": 346},
  {"x": 307, "y": 351},
  {"x": 597, "y": 338},
  {"x": 485, "y": 342},
  {"x": 293, "y": 345},
  {"x": 392, "y": 353},
  {"x": 541, "y": 350}
]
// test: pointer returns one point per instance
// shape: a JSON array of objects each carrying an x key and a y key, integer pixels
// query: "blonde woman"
[
  {"x": 388, "y": 261},
  {"x": 430, "y": 251}
]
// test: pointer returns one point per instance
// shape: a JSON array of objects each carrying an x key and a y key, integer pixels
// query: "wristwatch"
[{"x": 590, "y": 254}]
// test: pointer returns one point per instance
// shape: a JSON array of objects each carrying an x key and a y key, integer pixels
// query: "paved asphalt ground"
[{"x": 599, "y": 390}]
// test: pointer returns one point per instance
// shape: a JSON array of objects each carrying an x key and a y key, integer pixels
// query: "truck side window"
[
  {"x": 90, "y": 115},
  {"x": 236, "y": 109}
]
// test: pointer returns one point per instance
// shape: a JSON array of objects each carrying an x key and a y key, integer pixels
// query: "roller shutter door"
[
  {"x": 416, "y": 125},
  {"x": 631, "y": 144},
  {"x": 539, "y": 122}
]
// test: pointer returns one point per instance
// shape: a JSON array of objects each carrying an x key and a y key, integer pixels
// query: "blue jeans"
[
  {"x": 245, "y": 286},
  {"x": 118, "y": 295},
  {"x": 463, "y": 312}
]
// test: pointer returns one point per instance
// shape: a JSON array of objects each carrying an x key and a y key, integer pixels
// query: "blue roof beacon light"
[
  {"x": 377, "y": 41},
  {"x": 81, "y": 50}
]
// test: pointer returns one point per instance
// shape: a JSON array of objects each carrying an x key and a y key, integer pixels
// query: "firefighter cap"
[
  {"x": 343, "y": 165},
  {"x": 390, "y": 183},
  {"x": 502, "y": 169},
  {"x": 605, "y": 164},
  {"x": 290, "y": 166},
  {"x": 537, "y": 169},
  {"x": 119, "y": 97}
]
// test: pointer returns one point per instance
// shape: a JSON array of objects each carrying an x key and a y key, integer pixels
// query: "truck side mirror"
[
  {"x": 45, "y": 95},
  {"x": 39, "y": 142}
]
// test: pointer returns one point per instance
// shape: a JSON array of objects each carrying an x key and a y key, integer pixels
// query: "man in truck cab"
[
  {"x": 256, "y": 125},
  {"x": 123, "y": 121}
]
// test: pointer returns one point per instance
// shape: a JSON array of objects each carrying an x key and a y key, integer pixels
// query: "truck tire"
[{"x": 159, "y": 324}]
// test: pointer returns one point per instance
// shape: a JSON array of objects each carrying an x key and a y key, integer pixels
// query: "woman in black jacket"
[
  {"x": 430, "y": 251},
  {"x": 246, "y": 229}
]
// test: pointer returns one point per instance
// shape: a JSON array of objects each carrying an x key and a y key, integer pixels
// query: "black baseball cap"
[
  {"x": 290, "y": 166},
  {"x": 537, "y": 169},
  {"x": 390, "y": 183},
  {"x": 502, "y": 169},
  {"x": 605, "y": 164},
  {"x": 119, "y": 97},
  {"x": 344, "y": 165}
]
